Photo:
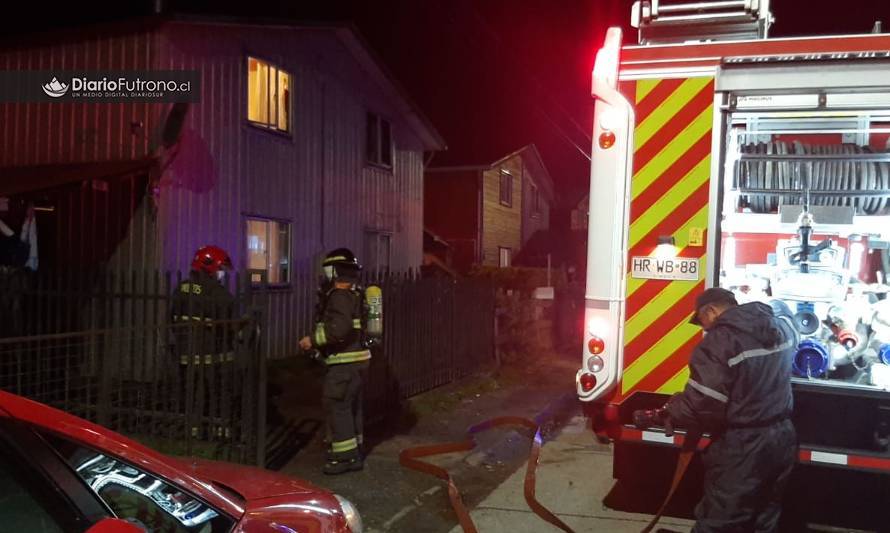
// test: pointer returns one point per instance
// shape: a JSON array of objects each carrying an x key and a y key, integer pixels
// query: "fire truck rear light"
[
  {"x": 588, "y": 382},
  {"x": 608, "y": 58},
  {"x": 595, "y": 364},
  {"x": 596, "y": 327},
  {"x": 596, "y": 345},
  {"x": 607, "y": 140}
]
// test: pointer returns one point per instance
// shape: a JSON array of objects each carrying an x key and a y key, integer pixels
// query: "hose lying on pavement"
[{"x": 409, "y": 459}]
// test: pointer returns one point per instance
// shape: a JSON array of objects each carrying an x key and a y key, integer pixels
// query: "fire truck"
[{"x": 722, "y": 157}]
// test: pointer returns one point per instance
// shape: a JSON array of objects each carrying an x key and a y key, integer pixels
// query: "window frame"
[
  {"x": 535, "y": 201},
  {"x": 505, "y": 194},
  {"x": 262, "y": 126},
  {"x": 376, "y": 235},
  {"x": 377, "y": 160},
  {"x": 501, "y": 250},
  {"x": 248, "y": 217},
  {"x": 76, "y": 506}
]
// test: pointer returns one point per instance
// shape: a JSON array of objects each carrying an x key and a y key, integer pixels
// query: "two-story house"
[
  {"x": 300, "y": 142},
  {"x": 487, "y": 212}
]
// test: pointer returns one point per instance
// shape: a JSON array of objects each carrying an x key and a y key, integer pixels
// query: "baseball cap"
[{"x": 714, "y": 295}]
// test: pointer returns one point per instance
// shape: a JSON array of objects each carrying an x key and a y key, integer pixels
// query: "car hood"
[{"x": 249, "y": 482}]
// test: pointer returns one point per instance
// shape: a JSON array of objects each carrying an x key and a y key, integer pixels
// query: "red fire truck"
[{"x": 722, "y": 157}]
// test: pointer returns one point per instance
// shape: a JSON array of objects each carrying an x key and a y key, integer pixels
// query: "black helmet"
[{"x": 341, "y": 263}]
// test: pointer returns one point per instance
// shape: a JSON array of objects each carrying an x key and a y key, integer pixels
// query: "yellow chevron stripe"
[
  {"x": 655, "y": 308},
  {"x": 664, "y": 112},
  {"x": 658, "y": 353},
  {"x": 673, "y": 151},
  {"x": 645, "y": 87},
  {"x": 665, "y": 205},
  {"x": 676, "y": 383},
  {"x": 633, "y": 284}
]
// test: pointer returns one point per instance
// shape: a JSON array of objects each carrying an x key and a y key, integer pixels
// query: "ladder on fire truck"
[{"x": 661, "y": 21}]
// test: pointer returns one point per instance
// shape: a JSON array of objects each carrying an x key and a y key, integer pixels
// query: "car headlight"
[{"x": 353, "y": 519}]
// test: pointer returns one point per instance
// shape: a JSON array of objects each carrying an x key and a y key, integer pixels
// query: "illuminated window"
[
  {"x": 268, "y": 95},
  {"x": 268, "y": 251},
  {"x": 378, "y": 137},
  {"x": 506, "y": 188}
]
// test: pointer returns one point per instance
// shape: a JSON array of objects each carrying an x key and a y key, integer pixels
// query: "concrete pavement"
[{"x": 574, "y": 475}]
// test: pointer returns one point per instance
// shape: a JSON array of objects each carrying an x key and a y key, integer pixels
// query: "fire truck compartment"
[{"x": 805, "y": 227}]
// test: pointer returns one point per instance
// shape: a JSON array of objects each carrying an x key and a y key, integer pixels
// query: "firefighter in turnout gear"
[
  {"x": 339, "y": 340},
  {"x": 200, "y": 342},
  {"x": 739, "y": 391}
]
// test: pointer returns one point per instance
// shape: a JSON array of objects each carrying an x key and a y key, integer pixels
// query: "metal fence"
[{"x": 102, "y": 346}]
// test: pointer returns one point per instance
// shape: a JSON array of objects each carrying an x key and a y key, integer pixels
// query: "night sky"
[{"x": 492, "y": 75}]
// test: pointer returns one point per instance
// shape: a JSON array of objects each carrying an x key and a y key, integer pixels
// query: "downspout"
[
  {"x": 480, "y": 195},
  {"x": 321, "y": 229}
]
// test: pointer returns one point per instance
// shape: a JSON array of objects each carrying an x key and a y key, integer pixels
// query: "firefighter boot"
[{"x": 341, "y": 464}]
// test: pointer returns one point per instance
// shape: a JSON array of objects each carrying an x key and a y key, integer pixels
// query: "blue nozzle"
[
  {"x": 884, "y": 354},
  {"x": 811, "y": 359}
]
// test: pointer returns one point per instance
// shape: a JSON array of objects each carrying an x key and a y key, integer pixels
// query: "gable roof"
[
  {"x": 347, "y": 34},
  {"x": 530, "y": 154}
]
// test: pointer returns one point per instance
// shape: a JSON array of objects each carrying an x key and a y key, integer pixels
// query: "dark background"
[{"x": 492, "y": 75}]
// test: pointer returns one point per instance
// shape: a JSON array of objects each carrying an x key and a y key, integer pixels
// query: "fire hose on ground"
[{"x": 410, "y": 458}]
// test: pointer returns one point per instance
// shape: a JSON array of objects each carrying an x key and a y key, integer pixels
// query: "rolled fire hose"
[{"x": 409, "y": 458}]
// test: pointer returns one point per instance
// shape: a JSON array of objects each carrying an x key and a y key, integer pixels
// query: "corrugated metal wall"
[
  {"x": 46, "y": 133},
  {"x": 316, "y": 178}
]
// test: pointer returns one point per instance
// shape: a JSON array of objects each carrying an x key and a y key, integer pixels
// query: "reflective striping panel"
[
  {"x": 670, "y": 193},
  {"x": 830, "y": 458},
  {"x": 652, "y": 436}
]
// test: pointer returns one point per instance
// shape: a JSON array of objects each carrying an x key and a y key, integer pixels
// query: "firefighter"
[
  {"x": 338, "y": 339},
  {"x": 201, "y": 343},
  {"x": 739, "y": 391}
]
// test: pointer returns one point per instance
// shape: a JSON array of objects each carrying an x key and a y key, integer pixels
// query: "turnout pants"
[
  {"x": 746, "y": 471},
  {"x": 343, "y": 408}
]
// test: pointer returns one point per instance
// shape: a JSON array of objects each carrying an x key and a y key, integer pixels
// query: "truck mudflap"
[{"x": 813, "y": 455}]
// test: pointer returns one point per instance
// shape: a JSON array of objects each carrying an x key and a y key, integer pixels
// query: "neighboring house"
[
  {"x": 581, "y": 214},
  {"x": 301, "y": 142},
  {"x": 487, "y": 212}
]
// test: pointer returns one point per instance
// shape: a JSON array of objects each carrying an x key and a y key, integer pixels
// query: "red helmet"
[{"x": 211, "y": 259}]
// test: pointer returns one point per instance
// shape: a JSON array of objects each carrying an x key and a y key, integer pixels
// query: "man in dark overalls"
[
  {"x": 739, "y": 391},
  {"x": 339, "y": 339}
]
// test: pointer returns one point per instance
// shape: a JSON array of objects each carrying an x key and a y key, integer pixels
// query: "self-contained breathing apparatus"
[{"x": 341, "y": 265}]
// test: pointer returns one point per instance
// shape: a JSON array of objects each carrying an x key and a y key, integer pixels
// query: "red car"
[{"x": 59, "y": 473}]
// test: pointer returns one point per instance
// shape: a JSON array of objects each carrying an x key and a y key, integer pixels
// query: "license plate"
[{"x": 677, "y": 268}]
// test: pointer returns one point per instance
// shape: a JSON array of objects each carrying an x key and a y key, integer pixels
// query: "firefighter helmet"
[
  {"x": 211, "y": 259},
  {"x": 341, "y": 263}
]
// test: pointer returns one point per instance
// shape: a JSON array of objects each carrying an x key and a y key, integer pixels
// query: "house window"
[
  {"x": 505, "y": 257},
  {"x": 536, "y": 201},
  {"x": 268, "y": 95},
  {"x": 379, "y": 141},
  {"x": 378, "y": 250},
  {"x": 269, "y": 250},
  {"x": 506, "y": 188}
]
